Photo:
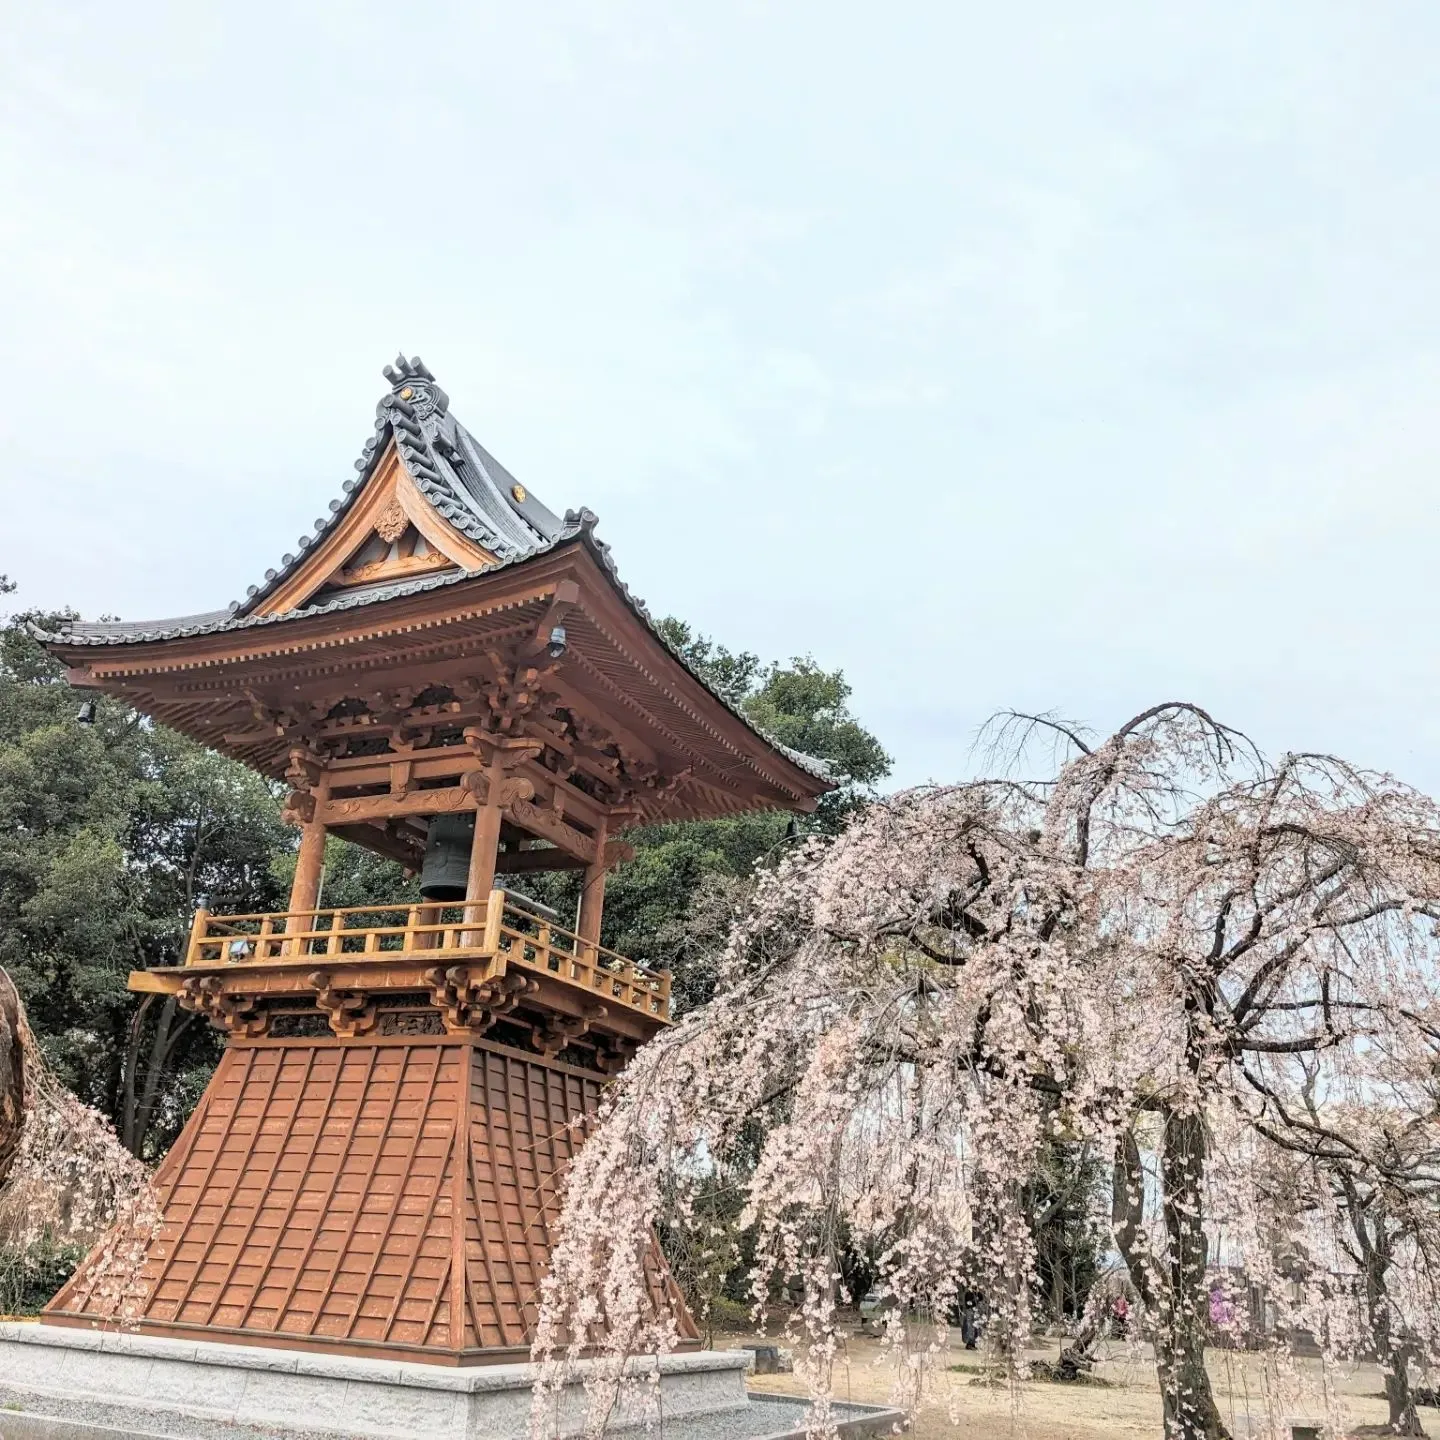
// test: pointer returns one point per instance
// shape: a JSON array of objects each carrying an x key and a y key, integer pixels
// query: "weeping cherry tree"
[{"x": 1155, "y": 951}]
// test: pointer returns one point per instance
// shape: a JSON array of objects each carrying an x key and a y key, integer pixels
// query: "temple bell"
[{"x": 445, "y": 872}]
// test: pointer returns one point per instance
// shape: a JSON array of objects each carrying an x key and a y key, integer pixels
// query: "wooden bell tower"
[{"x": 373, "y": 1168}]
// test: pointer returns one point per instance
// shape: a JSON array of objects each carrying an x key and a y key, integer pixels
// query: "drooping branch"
[{"x": 1164, "y": 941}]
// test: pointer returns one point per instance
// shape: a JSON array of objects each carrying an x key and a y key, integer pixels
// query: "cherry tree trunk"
[
  {"x": 1390, "y": 1350},
  {"x": 12, "y": 1074},
  {"x": 1404, "y": 1418},
  {"x": 1183, "y": 1318}
]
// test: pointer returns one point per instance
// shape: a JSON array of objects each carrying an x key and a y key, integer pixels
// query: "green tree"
[
  {"x": 678, "y": 875},
  {"x": 801, "y": 705},
  {"x": 112, "y": 832},
  {"x": 1063, "y": 1200}
]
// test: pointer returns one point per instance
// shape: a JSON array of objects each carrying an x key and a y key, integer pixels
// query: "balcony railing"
[{"x": 500, "y": 931}]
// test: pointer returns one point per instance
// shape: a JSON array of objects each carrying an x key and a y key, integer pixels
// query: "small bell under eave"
[{"x": 445, "y": 872}]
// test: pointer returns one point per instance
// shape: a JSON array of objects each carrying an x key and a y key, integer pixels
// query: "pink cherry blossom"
[{"x": 1200, "y": 963}]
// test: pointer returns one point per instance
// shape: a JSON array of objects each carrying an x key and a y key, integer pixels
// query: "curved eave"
[{"x": 632, "y": 649}]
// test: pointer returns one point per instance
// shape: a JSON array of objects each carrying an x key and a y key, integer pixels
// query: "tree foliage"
[
  {"x": 1156, "y": 953},
  {"x": 683, "y": 873},
  {"x": 111, "y": 834}
]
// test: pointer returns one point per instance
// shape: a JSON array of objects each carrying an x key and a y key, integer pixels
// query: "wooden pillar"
[
  {"x": 481, "y": 878},
  {"x": 305, "y": 889},
  {"x": 592, "y": 894}
]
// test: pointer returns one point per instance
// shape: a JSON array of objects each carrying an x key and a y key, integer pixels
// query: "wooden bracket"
[
  {"x": 234, "y": 1014},
  {"x": 306, "y": 774},
  {"x": 558, "y": 1031},
  {"x": 299, "y": 808},
  {"x": 567, "y": 596},
  {"x": 512, "y": 788},
  {"x": 514, "y": 987},
  {"x": 467, "y": 1005},
  {"x": 613, "y": 1056},
  {"x": 507, "y": 751},
  {"x": 350, "y": 1012}
]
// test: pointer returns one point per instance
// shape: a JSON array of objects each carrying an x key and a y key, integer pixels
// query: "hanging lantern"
[{"x": 446, "y": 870}]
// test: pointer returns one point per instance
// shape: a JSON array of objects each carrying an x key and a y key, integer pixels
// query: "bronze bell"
[{"x": 446, "y": 870}]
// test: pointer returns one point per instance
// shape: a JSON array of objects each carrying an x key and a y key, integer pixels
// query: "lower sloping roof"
[{"x": 382, "y": 1199}]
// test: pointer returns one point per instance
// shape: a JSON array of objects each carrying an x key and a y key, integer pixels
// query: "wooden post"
[
  {"x": 592, "y": 897},
  {"x": 494, "y": 918},
  {"x": 486, "y": 846},
  {"x": 306, "y": 888},
  {"x": 197, "y": 934}
]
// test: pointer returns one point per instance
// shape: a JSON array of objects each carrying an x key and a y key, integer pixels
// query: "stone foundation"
[{"x": 67, "y": 1384}]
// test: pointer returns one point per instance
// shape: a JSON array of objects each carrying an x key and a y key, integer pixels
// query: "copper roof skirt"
[{"x": 392, "y": 1198}]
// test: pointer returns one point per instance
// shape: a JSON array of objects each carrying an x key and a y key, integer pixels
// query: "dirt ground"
[{"x": 1250, "y": 1392}]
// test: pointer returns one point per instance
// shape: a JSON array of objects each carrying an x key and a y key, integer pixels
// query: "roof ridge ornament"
[{"x": 412, "y": 384}]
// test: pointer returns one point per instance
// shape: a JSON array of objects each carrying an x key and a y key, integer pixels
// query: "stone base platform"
[{"x": 65, "y": 1384}]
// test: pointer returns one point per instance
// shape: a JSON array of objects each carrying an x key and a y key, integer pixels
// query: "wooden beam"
[
  {"x": 528, "y": 862},
  {"x": 567, "y": 595},
  {"x": 377, "y": 838},
  {"x": 548, "y": 826},
  {"x": 355, "y": 808},
  {"x": 534, "y": 819}
]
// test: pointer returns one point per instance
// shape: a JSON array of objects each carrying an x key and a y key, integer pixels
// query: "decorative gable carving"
[
  {"x": 394, "y": 551},
  {"x": 391, "y": 532}
]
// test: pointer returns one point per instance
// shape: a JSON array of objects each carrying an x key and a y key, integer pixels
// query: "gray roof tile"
[{"x": 467, "y": 485}]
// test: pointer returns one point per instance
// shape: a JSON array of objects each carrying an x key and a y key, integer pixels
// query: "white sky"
[{"x": 1047, "y": 355}]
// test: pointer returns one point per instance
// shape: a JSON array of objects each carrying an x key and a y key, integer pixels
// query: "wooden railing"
[
  {"x": 356, "y": 931},
  {"x": 528, "y": 939},
  {"x": 501, "y": 929}
]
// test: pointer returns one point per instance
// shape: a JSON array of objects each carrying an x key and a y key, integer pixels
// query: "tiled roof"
[
  {"x": 468, "y": 487},
  {"x": 471, "y": 489},
  {"x": 134, "y": 632}
]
